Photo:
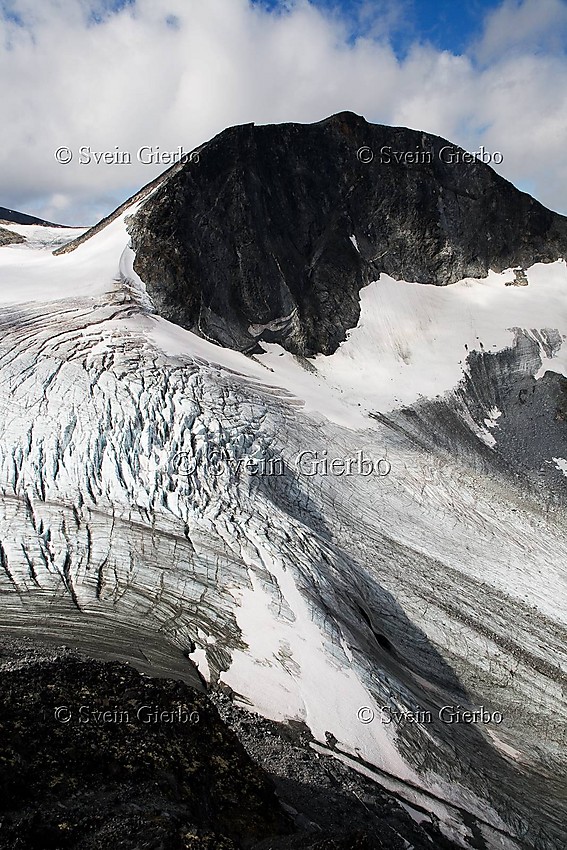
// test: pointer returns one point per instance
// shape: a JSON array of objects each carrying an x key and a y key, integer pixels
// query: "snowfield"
[{"x": 313, "y": 597}]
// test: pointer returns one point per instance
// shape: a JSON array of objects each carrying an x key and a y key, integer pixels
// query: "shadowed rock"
[
  {"x": 9, "y": 238},
  {"x": 271, "y": 234}
]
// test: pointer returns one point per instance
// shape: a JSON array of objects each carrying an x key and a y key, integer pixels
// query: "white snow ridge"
[{"x": 357, "y": 604}]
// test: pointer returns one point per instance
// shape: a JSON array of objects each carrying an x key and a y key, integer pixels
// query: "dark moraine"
[{"x": 94, "y": 755}]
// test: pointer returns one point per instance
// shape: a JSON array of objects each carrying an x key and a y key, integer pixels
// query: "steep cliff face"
[{"x": 271, "y": 232}]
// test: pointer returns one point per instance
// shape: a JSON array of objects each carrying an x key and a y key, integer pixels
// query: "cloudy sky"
[{"x": 117, "y": 75}]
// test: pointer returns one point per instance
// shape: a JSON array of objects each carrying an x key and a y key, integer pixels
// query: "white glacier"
[{"x": 263, "y": 579}]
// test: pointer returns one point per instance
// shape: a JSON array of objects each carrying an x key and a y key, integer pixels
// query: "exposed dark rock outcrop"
[
  {"x": 500, "y": 417},
  {"x": 16, "y": 217},
  {"x": 9, "y": 238},
  {"x": 87, "y": 764},
  {"x": 275, "y": 229}
]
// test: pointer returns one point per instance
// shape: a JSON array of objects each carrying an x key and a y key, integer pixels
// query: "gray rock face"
[
  {"x": 9, "y": 238},
  {"x": 529, "y": 429},
  {"x": 271, "y": 234}
]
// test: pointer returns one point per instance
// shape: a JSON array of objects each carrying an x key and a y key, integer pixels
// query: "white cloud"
[
  {"x": 517, "y": 26},
  {"x": 175, "y": 72}
]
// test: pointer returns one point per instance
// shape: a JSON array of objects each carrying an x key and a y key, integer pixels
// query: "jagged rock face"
[{"x": 273, "y": 231}]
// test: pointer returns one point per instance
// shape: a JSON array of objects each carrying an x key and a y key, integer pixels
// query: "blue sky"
[
  {"x": 121, "y": 74},
  {"x": 447, "y": 24}
]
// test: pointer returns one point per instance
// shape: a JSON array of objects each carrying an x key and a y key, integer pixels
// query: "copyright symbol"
[
  {"x": 365, "y": 714},
  {"x": 365, "y": 154},
  {"x": 63, "y": 714},
  {"x": 184, "y": 463},
  {"x": 63, "y": 155}
]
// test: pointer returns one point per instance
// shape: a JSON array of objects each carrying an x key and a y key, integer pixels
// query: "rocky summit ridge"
[{"x": 271, "y": 231}]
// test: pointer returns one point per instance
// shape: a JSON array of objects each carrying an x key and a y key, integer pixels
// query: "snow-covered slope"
[{"x": 44, "y": 236}]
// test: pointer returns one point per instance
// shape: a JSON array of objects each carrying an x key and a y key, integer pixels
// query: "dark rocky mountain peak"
[
  {"x": 15, "y": 217},
  {"x": 271, "y": 234}
]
